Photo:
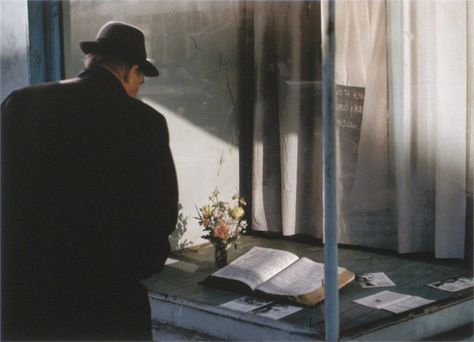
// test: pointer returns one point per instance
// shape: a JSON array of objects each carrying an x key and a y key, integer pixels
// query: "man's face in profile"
[{"x": 133, "y": 80}]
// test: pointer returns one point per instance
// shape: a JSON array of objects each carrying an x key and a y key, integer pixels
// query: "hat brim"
[{"x": 147, "y": 67}]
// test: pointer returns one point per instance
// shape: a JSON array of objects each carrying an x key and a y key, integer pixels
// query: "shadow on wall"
[{"x": 181, "y": 228}]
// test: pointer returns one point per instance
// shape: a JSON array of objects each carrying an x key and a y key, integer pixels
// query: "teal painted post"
[
  {"x": 45, "y": 40},
  {"x": 330, "y": 209}
]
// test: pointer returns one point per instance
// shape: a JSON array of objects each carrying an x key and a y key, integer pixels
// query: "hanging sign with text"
[{"x": 349, "y": 107}]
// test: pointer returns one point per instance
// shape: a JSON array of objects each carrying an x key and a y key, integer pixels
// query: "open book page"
[
  {"x": 382, "y": 299},
  {"x": 257, "y": 266},
  {"x": 408, "y": 304},
  {"x": 301, "y": 277}
]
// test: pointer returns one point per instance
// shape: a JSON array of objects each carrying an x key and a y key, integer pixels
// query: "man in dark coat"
[{"x": 89, "y": 198}]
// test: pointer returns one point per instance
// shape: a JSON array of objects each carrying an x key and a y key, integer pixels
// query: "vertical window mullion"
[{"x": 45, "y": 41}]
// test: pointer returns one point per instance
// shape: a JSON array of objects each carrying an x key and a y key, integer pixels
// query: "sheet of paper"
[
  {"x": 377, "y": 279},
  {"x": 181, "y": 265},
  {"x": 276, "y": 310},
  {"x": 245, "y": 304},
  {"x": 382, "y": 299},
  {"x": 301, "y": 277},
  {"x": 257, "y": 265},
  {"x": 170, "y": 261},
  {"x": 185, "y": 266},
  {"x": 453, "y": 284},
  {"x": 408, "y": 304}
]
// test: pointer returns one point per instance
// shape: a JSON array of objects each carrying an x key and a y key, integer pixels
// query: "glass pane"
[
  {"x": 403, "y": 125},
  {"x": 195, "y": 46},
  {"x": 14, "y": 46}
]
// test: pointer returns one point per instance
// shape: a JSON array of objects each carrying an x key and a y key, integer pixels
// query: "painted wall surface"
[
  {"x": 194, "y": 44},
  {"x": 13, "y": 46}
]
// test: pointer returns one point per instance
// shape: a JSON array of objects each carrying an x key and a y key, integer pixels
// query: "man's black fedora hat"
[{"x": 123, "y": 41}]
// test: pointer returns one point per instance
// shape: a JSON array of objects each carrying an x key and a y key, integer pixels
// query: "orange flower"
[{"x": 221, "y": 231}]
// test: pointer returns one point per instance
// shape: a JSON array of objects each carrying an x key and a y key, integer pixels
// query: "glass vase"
[{"x": 220, "y": 255}]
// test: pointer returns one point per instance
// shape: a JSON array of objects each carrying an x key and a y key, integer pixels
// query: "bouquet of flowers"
[{"x": 222, "y": 221}]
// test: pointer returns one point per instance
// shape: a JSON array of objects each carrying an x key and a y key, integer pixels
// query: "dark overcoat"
[{"x": 89, "y": 198}]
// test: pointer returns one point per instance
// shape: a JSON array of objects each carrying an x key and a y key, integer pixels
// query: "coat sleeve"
[{"x": 160, "y": 197}]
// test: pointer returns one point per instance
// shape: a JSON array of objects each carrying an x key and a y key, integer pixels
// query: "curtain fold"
[
  {"x": 431, "y": 125},
  {"x": 470, "y": 129},
  {"x": 451, "y": 128},
  {"x": 287, "y": 156},
  {"x": 403, "y": 107},
  {"x": 361, "y": 110}
]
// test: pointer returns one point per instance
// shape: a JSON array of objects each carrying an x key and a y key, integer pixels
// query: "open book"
[{"x": 276, "y": 274}]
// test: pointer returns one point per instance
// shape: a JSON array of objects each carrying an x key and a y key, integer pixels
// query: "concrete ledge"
[
  {"x": 184, "y": 310},
  {"x": 165, "y": 332},
  {"x": 223, "y": 323},
  {"x": 419, "y": 325},
  {"x": 176, "y": 318}
]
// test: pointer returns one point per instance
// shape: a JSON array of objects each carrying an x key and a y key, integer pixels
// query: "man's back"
[{"x": 89, "y": 199}]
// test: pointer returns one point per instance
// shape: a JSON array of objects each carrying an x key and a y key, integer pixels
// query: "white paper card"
[
  {"x": 245, "y": 304},
  {"x": 381, "y": 299},
  {"x": 170, "y": 261},
  {"x": 408, "y": 304},
  {"x": 377, "y": 279},
  {"x": 276, "y": 310},
  {"x": 393, "y": 301},
  {"x": 453, "y": 284}
]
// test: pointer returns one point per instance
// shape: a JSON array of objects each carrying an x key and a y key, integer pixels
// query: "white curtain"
[
  {"x": 403, "y": 106},
  {"x": 431, "y": 123},
  {"x": 361, "y": 117},
  {"x": 404, "y": 152},
  {"x": 287, "y": 145}
]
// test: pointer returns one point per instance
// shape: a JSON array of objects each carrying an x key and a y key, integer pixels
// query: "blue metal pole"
[
  {"x": 45, "y": 40},
  {"x": 330, "y": 209}
]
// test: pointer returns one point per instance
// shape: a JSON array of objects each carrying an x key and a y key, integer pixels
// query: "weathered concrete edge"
[
  {"x": 425, "y": 325},
  {"x": 165, "y": 332},
  {"x": 223, "y": 323}
]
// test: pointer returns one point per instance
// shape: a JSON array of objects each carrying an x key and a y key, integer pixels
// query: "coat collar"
[{"x": 105, "y": 75}]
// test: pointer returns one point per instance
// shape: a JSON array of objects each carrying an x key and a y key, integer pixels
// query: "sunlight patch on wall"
[{"x": 203, "y": 161}]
